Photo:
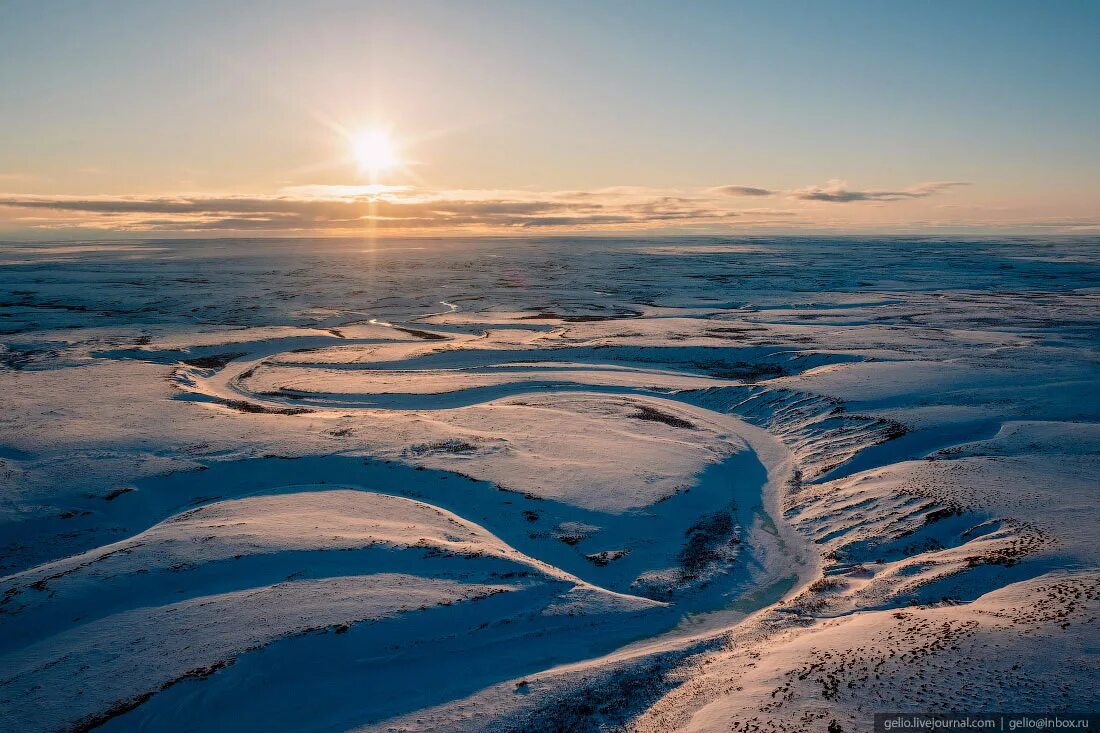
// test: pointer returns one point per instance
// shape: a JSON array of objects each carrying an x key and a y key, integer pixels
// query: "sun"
[{"x": 375, "y": 151}]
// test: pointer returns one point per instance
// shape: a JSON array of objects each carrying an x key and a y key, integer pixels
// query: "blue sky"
[{"x": 487, "y": 99}]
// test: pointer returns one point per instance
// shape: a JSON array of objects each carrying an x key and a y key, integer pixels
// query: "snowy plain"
[{"x": 648, "y": 484}]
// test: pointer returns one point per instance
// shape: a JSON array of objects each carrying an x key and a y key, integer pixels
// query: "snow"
[{"x": 663, "y": 484}]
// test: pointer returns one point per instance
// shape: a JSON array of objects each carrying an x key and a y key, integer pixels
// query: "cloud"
[
  {"x": 287, "y": 209},
  {"x": 743, "y": 191},
  {"x": 573, "y": 221},
  {"x": 347, "y": 209},
  {"x": 838, "y": 192},
  {"x": 353, "y": 209}
]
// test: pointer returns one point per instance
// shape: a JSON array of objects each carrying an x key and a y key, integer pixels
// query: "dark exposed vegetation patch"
[
  {"x": 732, "y": 333},
  {"x": 90, "y": 722},
  {"x": 606, "y": 702},
  {"x": 645, "y": 412},
  {"x": 600, "y": 559},
  {"x": 452, "y": 446},
  {"x": 891, "y": 429},
  {"x": 114, "y": 494},
  {"x": 944, "y": 513},
  {"x": 587, "y": 318},
  {"x": 580, "y": 317},
  {"x": 708, "y": 541},
  {"x": 17, "y": 359},
  {"x": 1005, "y": 558},
  {"x": 428, "y": 335},
  {"x": 283, "y": 393},
  {"x": 823, "y": 584},
  {"x": 735, "y": 329},
  {"x": 214, "y": 361},
  {"x": 740, "y": 370},
  {"x": 894, "y": 430},
  {"x": 928, "y": 544},
  {"x": 252, "y": 407}
]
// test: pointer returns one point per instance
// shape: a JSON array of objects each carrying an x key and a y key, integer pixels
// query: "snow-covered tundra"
[{"x": 576, "y": 484}]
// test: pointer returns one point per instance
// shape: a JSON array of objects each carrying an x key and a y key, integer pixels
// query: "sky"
[{"x": 263, "y": 118}]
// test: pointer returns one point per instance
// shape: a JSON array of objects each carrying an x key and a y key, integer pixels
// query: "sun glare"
[{"x": 375, "y": 151}]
